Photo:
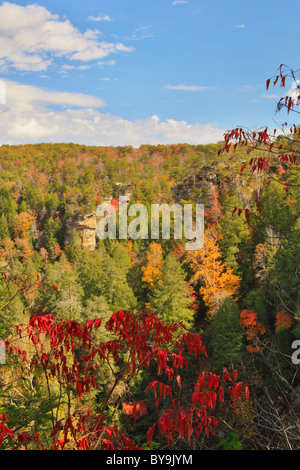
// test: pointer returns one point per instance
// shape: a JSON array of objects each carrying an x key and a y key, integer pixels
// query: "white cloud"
[
  {"x": 186, "y": 87},
  {"x": 31, "y": 37},
  {"x": 143, "y": 32},
  {"x": 99, "y": 18},
  {"x": 294, "y": 92},
  {"x": 108, "y": 79},
  {"x": 101, "y": 63},
  {"x": 67, "y": 67},
  {"x": 240, "y": 26},
  {"x": 271, "y": 97},
  {"x": 29, "y": 117},
  {"x": 20, "y": 96},
  {"x": 179, "y": 2}
]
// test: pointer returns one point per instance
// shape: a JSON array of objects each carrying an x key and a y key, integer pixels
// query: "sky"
[{"x": 133, "y": 72}]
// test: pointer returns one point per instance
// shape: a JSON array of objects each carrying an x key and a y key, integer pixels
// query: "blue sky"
[{"x": 132, "y": 72}]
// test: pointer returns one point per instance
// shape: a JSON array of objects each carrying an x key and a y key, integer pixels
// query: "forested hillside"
[{"x": 125, "y": 382}]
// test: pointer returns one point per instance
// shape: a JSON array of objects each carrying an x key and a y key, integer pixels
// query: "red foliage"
[
  {"x": 142, "y": 339},
  {"x": 253, "y": 328},
  {"x": 136, "y": 410},
  {"x": 283, "y": 321}
]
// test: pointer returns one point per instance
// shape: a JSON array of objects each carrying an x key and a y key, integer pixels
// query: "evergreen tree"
[
  {"x": 119, "y": 254},
  {"x": 171, "y": 298},
  {"x": 61, "y": 293},
  {"x": 100, "y": 276},
  {"x": 227, "y": 334},
  {"x": 74, "y": 250},
  {"x": 52, "y": 235},
  {"x": 4, "y": 230},
  {"x": 276, "y": 213},
  {"x": 51, "y": 202},
  {"x": 233, "y": 230}
]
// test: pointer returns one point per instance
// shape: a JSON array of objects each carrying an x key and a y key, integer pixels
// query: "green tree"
[
  {"x": 33, "y": 196},
  {"x": 74, "y": 250},
  {"x": 100, "y": 275},
  {"x": 276, "y": 213},
  {"x": 233, "y": 231},
  {"x": 171, "y": 297},
  {"x": 61, "y": 293},
  {"x": 4, "y": 230},
  {"x": 53, "y": 235},
  {"x": 51, "y": 202},
  {"x": 227, "y": 334}
]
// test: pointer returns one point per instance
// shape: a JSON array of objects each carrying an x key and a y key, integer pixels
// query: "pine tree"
[
  {"x": 227, "y": 334},
  {"x": 51, "y": 202},
  {"x": 100, "y": 275},
  {"x": 52, "y": 235},
  {"x": 74, "y": 250},
  {"x": 4, "y": 230},
  {"x": 171, "y": 298},
  {"x": 60, "y": 292}
]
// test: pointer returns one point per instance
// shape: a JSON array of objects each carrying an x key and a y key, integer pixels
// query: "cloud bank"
[{"x": 32, "y": 115}]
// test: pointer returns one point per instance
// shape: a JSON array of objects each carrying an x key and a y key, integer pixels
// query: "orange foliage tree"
[
  {"x": 25, "y": 249},
  {"x": 152, "y": 270},
  {"x": 283, "y": 321},
  {"x": 217, "y": 280},
  {"x": 8, "y": 250},
  {"x": 253, "y": 330},
  {"x": 24, "y": 221}
]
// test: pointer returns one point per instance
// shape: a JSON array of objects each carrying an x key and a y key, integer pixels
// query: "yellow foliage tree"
[
  {"x": 26, "y": 250},
  {"x": 8, "y": 250},
  {"x": 217, "y": 280},
  {"x": 24, "y": 221},
  {"x": 152, "y": 270}
]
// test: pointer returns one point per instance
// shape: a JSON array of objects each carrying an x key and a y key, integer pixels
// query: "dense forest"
[{"x": 104, "y": 337}]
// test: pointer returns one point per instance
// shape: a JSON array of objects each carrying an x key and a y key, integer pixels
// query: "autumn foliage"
[
  {"x": 52, "y": 352},
  {"x": 254, "y": 329},
  {"x": 283, "y": 321},
  {"x": 152, "y": 270},
  {"x": 217, "y": 281},
  {"x": 88, "y": 367}
]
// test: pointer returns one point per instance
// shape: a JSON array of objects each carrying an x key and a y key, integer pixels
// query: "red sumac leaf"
[
  {"x": 179, "y": 381},
  {"x": 150, "y": 435},
  {"x": 55, "y": 429},
  {"x": 156, "y": 404},
  {"x": 247, "y": 215},
  {"x": 283, "y": 79}
]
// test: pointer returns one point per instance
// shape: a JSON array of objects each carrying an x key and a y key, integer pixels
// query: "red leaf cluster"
[{"x": 143, "y": 339}]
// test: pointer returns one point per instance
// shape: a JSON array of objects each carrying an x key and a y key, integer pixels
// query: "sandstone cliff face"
[
  {"x": 86, "y": 227},
  {"x": 87, "y": 231}
]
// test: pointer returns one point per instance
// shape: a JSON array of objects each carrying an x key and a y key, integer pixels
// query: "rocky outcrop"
[
  {"x": 121, "y": 189},
  {"x": 87, "y": 231},
  {"x": 86, "y": 227},
  {"x": 204, "y": 180}
]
